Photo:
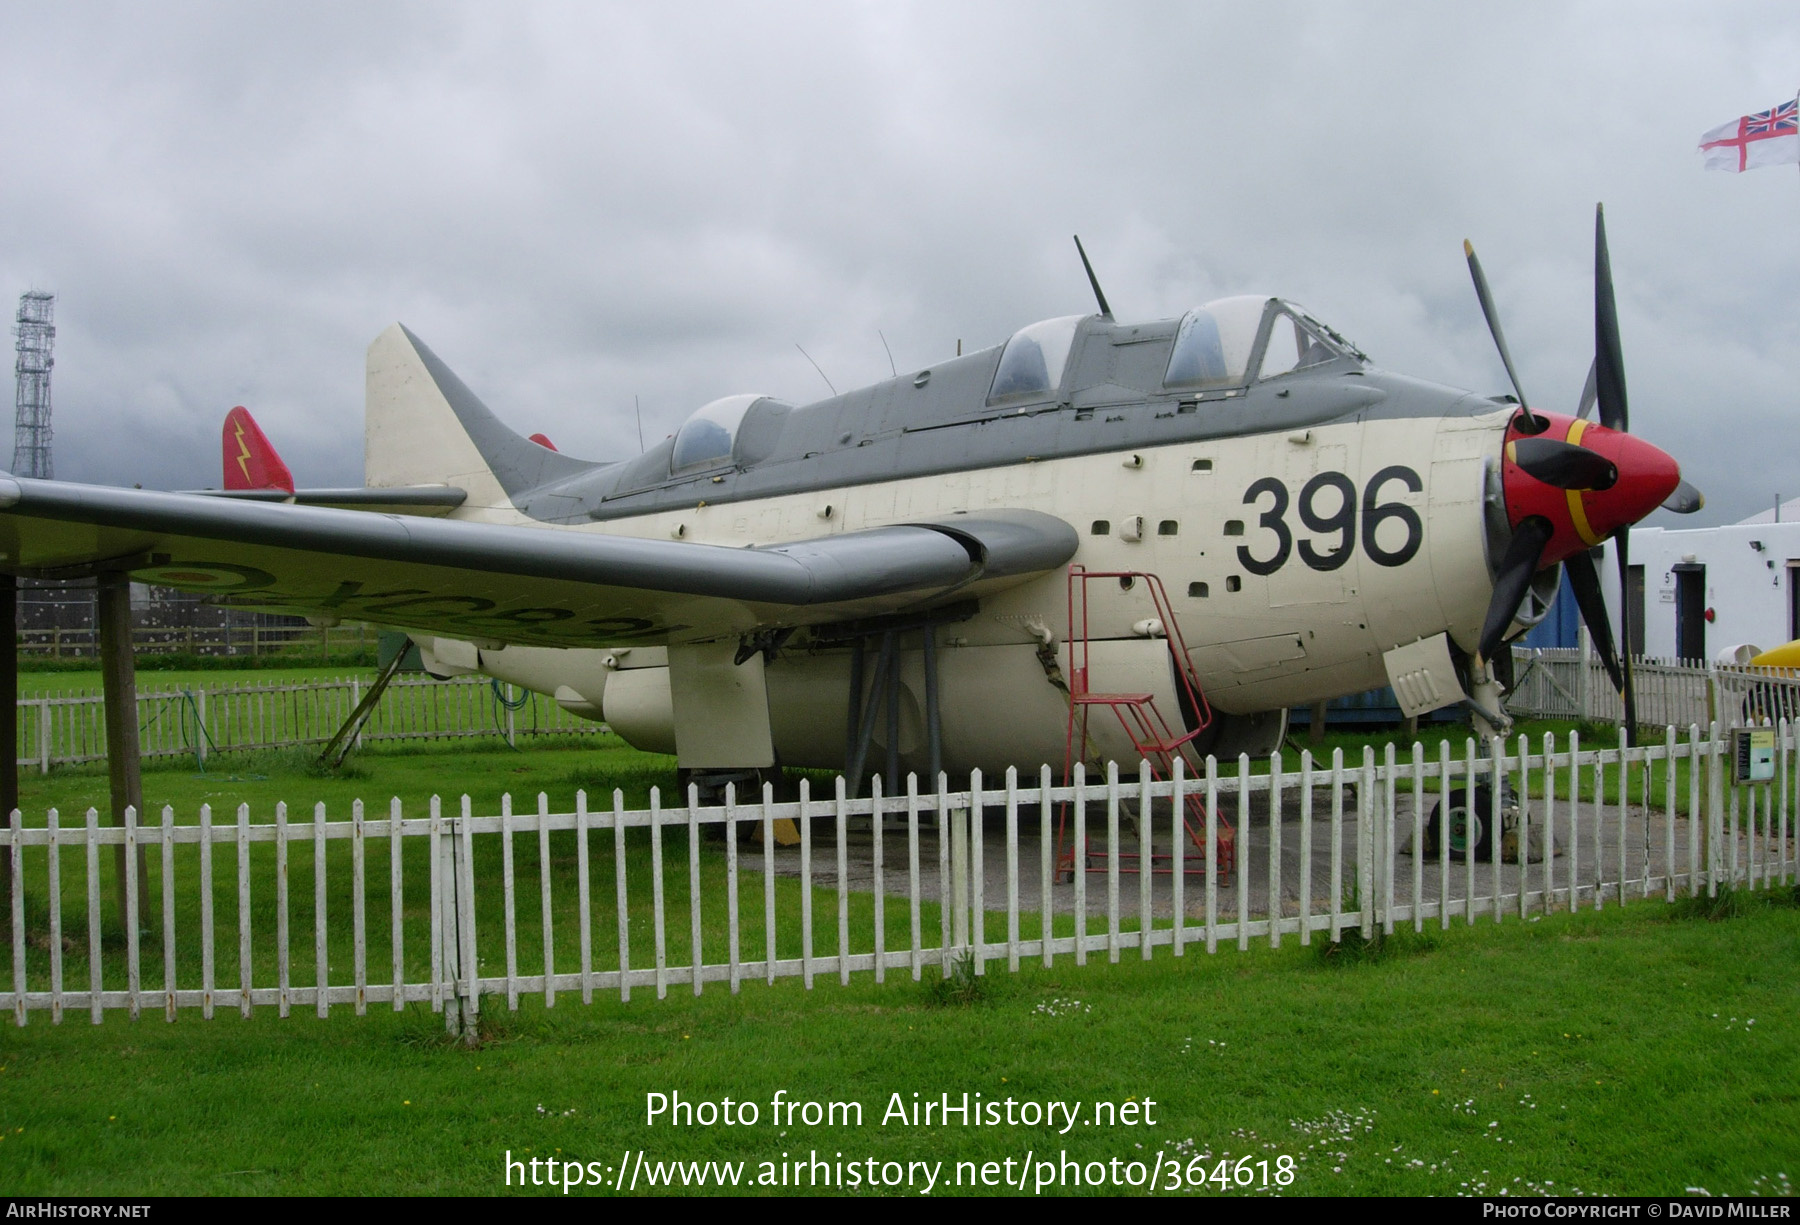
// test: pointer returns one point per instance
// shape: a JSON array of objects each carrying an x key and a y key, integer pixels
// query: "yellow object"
[
  {"x": 787, "y": 831},
  {"x": 1787, "y": 655}
]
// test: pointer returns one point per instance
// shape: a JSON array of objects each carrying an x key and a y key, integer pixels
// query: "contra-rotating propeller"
[{"x": 1569, "y": 484}]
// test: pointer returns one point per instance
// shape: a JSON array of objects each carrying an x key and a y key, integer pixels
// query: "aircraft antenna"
[
  {"x": 884, "y": 344},
  {"x": 1093, "y": 280},
  {"x": 639, "y": 410},
  {"x": 816, "y": 366},
  {"x": 36, "y": 332}
]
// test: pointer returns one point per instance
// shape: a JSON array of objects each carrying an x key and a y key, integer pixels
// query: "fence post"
[
  {"x": 959, "y": 876},
  {"x": 444, "y": 869},
  {"x": 459, "y": 1016},
  {"x": 1365, "y": 843},
  {"x": 43, "y": 730},
  {"x": 1715, "y": 807},
  {"x": 200, "y": 732}
]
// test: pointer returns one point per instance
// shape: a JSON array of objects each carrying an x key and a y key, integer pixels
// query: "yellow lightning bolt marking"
[{"x": 243, "y": 458}]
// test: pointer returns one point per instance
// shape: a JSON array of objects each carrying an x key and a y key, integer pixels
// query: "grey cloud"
[{"x": 576, "y": 205}]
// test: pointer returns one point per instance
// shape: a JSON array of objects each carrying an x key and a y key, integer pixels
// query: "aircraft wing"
[{"x": 541, "y": 586}]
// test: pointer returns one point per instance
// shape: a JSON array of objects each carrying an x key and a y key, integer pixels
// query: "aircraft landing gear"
[
  {"x": 1464, "y": 824},
  {"x": 1487, "y": 706},
  {"x": 710, "y": 788}
]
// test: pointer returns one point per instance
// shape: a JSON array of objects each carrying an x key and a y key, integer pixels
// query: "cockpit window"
[
  {"x": 1031, "y": 366},
  {"x": 1212, "y": 346},
  {"x": 705, "y": 439},
  {"x": 1297, "y": 341}
]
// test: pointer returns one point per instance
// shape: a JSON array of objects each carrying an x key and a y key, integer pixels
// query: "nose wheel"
[{"x": 1464, "y": 824}]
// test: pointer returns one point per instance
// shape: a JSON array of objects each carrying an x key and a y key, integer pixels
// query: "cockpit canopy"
[
  {"x": 1217, "y": 345},
  {"x": 712, "y": 437},
  {"x": 1031, "y": 366},
  {"x": 1224, "y": 344}
]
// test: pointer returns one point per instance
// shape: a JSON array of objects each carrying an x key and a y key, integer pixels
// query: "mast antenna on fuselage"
[
  {"x": 1093, "y": 280},
  {"x": 816, "y": 366}
]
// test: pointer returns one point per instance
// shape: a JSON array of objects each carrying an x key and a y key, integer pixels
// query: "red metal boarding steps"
[{"x": 1151, "y": 736}]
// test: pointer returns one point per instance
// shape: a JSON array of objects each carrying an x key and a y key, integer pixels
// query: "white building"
[{"x": 1695, "y": 593}]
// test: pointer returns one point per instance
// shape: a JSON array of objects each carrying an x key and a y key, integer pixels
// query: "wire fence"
[
  {"x": 299, "y": 641},
  {"x": 69, "y": 728}
]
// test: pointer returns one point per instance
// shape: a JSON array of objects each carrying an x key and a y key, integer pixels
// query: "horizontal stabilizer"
[{"x": 431, "y": 500}]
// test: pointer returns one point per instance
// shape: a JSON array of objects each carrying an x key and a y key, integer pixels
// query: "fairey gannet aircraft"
[{"x": 885, "y": 576}]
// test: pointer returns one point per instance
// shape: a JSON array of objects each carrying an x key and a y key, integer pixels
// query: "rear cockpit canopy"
[
  {"x": 1032, "y": 364},
  {"x": 715, "y": 434},
  {"x": 1222, "y": 343}
]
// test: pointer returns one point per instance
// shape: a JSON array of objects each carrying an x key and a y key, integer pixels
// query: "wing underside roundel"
[{"x": 530, "y": 585}]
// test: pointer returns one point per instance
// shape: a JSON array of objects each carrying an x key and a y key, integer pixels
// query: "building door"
[
  {"x": 1793, "y": 578},
  {"x": 1690, "y": 613}
]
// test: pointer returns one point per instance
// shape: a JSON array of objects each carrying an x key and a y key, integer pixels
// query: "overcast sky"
[{"x": 578, "y": 206}]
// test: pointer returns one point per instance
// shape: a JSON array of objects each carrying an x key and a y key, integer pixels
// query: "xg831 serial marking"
[{"x": 1335, "y": 519}]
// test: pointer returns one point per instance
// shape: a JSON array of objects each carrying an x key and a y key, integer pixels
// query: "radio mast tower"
[{"x": 36, "y": 332}]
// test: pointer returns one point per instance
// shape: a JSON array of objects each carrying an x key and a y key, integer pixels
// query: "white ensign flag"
[{"x": 1770, "y": 138}]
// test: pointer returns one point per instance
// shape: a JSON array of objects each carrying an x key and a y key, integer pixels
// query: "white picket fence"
[
  {"x": 1570, "y": 683},
  {"x": 197, "y": 721},
  {"x": 907, "y": 880}
]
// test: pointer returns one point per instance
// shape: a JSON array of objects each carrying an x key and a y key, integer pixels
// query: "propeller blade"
[
  {"x": 1609, "y": 359},
  {"x": 1532, "y": 424},
  {"x": 1588, "y": 392},
  {"x": 1564, "y": 464},
  {"x": 1622, "y": 541},
  {"x": 1685, "y": 500},
  {"x": 1584, "y": 580},
  {"x": 1514, "y": 580}
]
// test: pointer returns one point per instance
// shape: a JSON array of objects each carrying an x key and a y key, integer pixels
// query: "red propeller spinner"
[{"x": 1625, "y": 480}]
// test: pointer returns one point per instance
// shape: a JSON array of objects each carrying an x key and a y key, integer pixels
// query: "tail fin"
[
  {"x": 250, "y": 459},
  {"x": 423, "y": 426}
]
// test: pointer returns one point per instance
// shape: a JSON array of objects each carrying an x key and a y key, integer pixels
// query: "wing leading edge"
[{"x": 530, "y": 585}]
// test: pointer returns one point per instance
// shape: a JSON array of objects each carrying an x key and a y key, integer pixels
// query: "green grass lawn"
[
  {"x": 1625, "y": 1051},
  {"x": 483, "y": 769},
  {"x": 1619, "y": 1052}
]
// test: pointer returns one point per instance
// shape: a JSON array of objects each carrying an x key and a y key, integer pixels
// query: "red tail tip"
[
  {"x": 543, "y": 442},
  {"x": 250, "y": 459}
]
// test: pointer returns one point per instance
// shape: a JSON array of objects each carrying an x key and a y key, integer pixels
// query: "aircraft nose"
[{"x": 1582, "y": 500}]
